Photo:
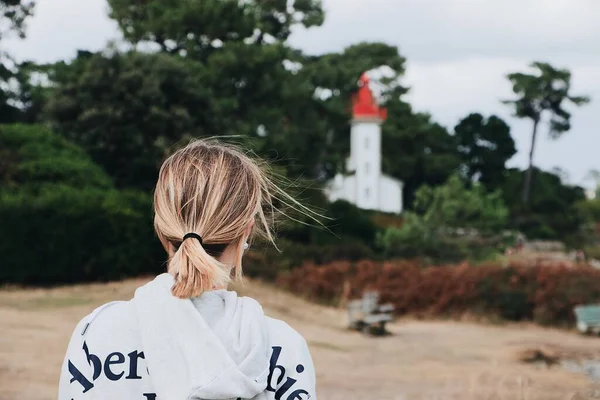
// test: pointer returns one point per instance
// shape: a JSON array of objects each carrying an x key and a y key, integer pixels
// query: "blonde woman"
[{"x": 184, "y": 335}]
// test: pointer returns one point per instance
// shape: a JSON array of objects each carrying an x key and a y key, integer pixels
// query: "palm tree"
[{"x": 542, "y": 93}]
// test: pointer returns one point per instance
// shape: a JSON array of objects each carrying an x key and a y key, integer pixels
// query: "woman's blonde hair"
[{"x": 216, "y": 191}]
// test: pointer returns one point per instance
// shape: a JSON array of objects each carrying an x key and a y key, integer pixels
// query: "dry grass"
[{"x": 421, "y": 360}]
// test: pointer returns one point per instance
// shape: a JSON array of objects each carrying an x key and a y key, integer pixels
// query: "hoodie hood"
[{"x": 211, "y": 347}]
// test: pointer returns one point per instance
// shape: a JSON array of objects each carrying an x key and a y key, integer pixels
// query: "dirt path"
[{"x": 421, "y": 360}]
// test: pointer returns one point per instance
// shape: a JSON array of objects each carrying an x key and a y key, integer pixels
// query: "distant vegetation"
[{"x": 81, "y": 142}]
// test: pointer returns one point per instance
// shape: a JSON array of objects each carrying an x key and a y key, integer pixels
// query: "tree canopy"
[
  {"x": 197, "y": 28},
  {"x": 127, "y": 109},
  {"x": 484, "y": 146}
]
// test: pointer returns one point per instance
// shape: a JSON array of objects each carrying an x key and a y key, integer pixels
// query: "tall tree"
[
  {"x": 127, "y": 109},
  {"x": 543, "y": 92},
  {"x": 416, "y": 150},
  {"x": 198, "y": 27},
  {"x": 240, "y": 46},
  {"x": 262, "y": 99},
  {"x": 484, "y": 146}
]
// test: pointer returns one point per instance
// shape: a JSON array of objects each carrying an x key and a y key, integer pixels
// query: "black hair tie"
[{"x": 193, "y": 235}]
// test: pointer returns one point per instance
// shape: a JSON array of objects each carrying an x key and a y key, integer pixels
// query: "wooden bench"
[
  {"x": 368, "y": 316},
  {"x": 588, "y": 318}
]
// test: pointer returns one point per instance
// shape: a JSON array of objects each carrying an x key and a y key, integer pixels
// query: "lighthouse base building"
[{"x": 364, "y": 184}]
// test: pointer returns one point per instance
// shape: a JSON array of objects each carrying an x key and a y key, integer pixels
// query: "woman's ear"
[{"x": 249, "y": 227}]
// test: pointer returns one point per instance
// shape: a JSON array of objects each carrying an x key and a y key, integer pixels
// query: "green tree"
[
  {"x": 196, "y": 28},
  {"x": 545, "y": 91},
  {"x": 272, "y": 106},
  {"x": 454, "y": 205},
  {"x": 416, "y": 149},
  {"x": 127, "y": 109},
  {"x": 161, "y": 100},
  {"x": 484, "y": 146}
]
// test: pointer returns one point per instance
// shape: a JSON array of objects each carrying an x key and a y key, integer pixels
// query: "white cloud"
[
  {"x": 61, "y": 27},
  {"x": 447, "y": 29}
]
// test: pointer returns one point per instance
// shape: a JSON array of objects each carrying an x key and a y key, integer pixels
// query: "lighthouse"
[{"x": 364, "y": 184}]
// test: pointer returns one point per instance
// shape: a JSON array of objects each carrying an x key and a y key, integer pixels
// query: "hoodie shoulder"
[
  {"x": 103, "y": 356},
  {"x": 281, "y": 331},
  {"x": 111, "y": 321}
]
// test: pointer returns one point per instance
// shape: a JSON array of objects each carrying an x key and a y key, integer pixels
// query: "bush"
[
  {"x": 31, "y": 157},
  {"x": 553, "y": 211},
  {"x": 61, "y": 221},
  {"x": 412, "y": 244},
  {"x": 64, "y": 235},
  {"x": 544, "y": 293},
  {"x": 450, "y": 223}
]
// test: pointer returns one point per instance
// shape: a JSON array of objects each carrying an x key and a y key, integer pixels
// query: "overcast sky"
[{"x": 458, "y": 53}]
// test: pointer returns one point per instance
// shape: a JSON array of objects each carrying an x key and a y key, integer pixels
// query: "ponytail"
[
  {"x": 220, "y": 192},
  {"x": 195, "y": 271}
]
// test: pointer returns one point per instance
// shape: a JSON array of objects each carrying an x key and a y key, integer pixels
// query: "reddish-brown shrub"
[
  {"x": 387, "y": 220},
  {"x": 543, "y": 291}
]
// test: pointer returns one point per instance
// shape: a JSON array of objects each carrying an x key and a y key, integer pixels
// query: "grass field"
[{"x": 420, "y": 360}]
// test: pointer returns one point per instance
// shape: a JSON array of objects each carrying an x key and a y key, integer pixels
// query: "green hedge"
[
  {"x": 65, "y": 235},
  {"x": 61, "y": 220}
]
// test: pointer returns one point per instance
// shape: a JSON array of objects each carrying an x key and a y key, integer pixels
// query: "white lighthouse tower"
[{"x": 364, "y": 184}]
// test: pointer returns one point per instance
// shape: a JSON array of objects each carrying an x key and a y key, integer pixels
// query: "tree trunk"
[{"x": 528, "y": 174}]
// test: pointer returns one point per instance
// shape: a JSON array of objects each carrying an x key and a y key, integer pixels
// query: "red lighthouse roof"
[{"x": 364, "y": 104}]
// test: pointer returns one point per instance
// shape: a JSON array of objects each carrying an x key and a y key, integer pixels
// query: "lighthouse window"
[
  {"x": 366, "y": 193},
  {"x": 366, "y": 143},
  {"x": 367, "y": 168}
]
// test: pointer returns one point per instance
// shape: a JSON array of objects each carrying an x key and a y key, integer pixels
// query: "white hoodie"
[{"x": 159, "y": 347}]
